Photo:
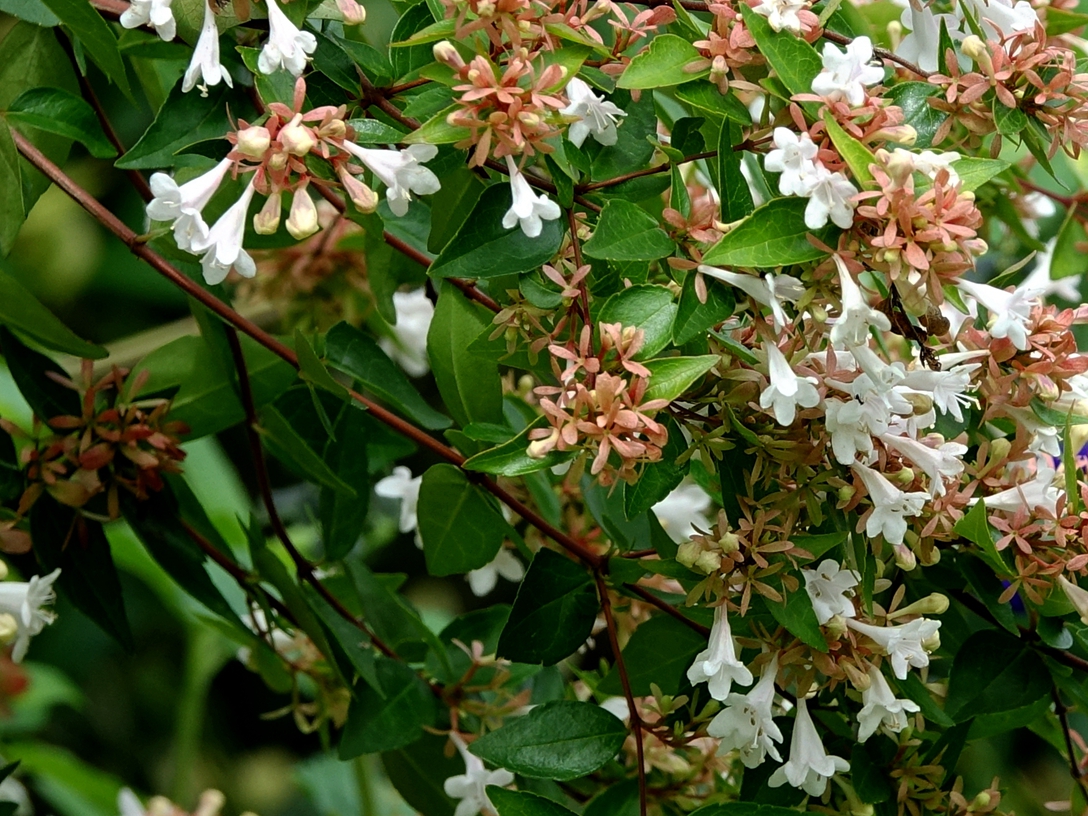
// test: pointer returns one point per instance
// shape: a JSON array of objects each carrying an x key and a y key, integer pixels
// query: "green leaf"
[
  {"x": 693, "y": 317},
  {"x": 185, "y": 119},
  {"x": 12, "y": 210},
  {"x": 312, "y": 371},
  {"x": 342, "y": 517},
  {"x": 1010, "y": 121},
  {"x": 743, "y": 809},
  {"x": 774, "y": 235},
  {"x": 285, "y": 443},
  {"x": 626, "y": 232},
  {"x": 352, "y": 641},
  {"x": 373, "y": 131},
  {"x": 633, "y": 148},
  {"x": 376, "y": 723},
  {"x": 657, "y": 479},
  {"x": 914, "y": 689},
  {"x": 469, "y": 384},
  {"x": 913, "y": 98},
  {"x": 349, "y": 350},
  {"x": 858, "y": 157},
  {"x": 664, "y": 63},
  {"x": 521, "y": 803},
  {"x": 646, "y": 307},
  {"x": 1067, "y": 259},
  {"x": 484, "y": 248},
  {"x": 511, "y": 458},
  {"x": 1062, "y": 21},
  {"x": 77, "y": 546},
  {"x": 560, "y": 740},
  {"x": 974, "y": 173},
  {"x": 410, "y": 58},
  {"x": 736, "y": 198},
  {"x": 706, "y": 98},
  {"x": 672, "y": 376},
  {"x": 987, "y": 588},
  {"x": 46, "y": 397},
  {"x": 553, "y": 612},
  {"x": 975, "y": 527},
  {"x": 62, "y": 113},
  {"x": 461, "y": 529},
  {"x": 794, "y": 61},
  {"x": 797, "y": 616},
  {"x": 418, "y": 771},
  {"x": 95, "y": 36},
  {"x": 438, "y": 131},
  {"x": 994, "y": 673},
  {"x": 660, "y": 651},
  {"x": 483, "y": 625},
  {"x": 20, "y": 310},
  {"x": 33, "y": 11}
]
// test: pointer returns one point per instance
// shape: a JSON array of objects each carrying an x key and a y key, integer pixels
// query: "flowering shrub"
[{"x": 740, "y": 336}]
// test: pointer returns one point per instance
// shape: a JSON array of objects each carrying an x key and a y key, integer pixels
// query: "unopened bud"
[
  {"x": 302, "y": 220},
  {"x": 973, "y": 47},
  {"x": 333, "y": 129},
  {"x": 904, "y": 558},
  {"x": 729, "y": 543},
  {"x": 921, "y": 403},
  {"x": 688, "y": 553},
  {"x": 278, "y": 161},
  {"x": 708, "y": 562},
  {"x": 932, "y": 643},
  {"x": 933, "y": 604},
  {"x": 858, "y": 679},
  {"x": 900, "y": 134},
  {"x": 211, "y": 802},
  {"x": 353, "y": 13},
  {"x": 364, "y": 198},
  {"x": 254, "y": 142},
  {"x": 836, "y": 627},
  {"x": 904, "y": 476},
  {"x": 900, "y": 166},
  {"x": 929, "y": 557},
  {"x": 846, "y": 493},
  {"x": 3, "y": 570},
  {"x": 296, "y": 139},
  {"x": 160, "y": 806},
  {"x": 9, "y": 628},
  {"x": 980, "y": 802},
  {"x": 267, "y": 221},
  {"x": 447, "y": 53},
  {"x": 999, "y": 449},
  {"x": 540, "y": 448}
]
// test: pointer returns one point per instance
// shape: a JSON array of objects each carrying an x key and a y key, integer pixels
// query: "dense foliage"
[{"x": 740, "y": 336}]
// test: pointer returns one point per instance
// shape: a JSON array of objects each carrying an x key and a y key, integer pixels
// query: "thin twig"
[
  {"x": 281, "y": 350},
  {"x": 668, "y": 609},
  {"x": 625, "y": 682},
  {"x": 1074, "y": 766},
  {"x": 647, "y": 171}
]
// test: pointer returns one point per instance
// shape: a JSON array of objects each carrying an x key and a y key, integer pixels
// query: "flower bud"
[
  {"x": 211, "y": 802},
  {"x": 836, "y": 627},
  {"x": 278, "y": 161},
  {"x": 999, "y": 450},
  {"x": 688, "y": 553},
  {"x": 253, "y": 142},
  {"x": 539, "y": 448},
  {"x": 846, "y": 493},
  {"x": 9, "y": 627},
  {"x": 364, "y": 198},
  {"x": 930, "y": 557},
  {"x": 973, "y": 47},
  {"x": 3, "y": 570},
  {"x": 933, "y": 604},
  {"x": 353, "y": 13},
  {"x": 932, "y": 643},
  {"x": 904, "y": 558},
  {"x": 267, "y": 221},
  {"x": 296, "y": 139},
  {"x": 160, "y": 806},
  {"x": 904, "y": 476},
  {"x": 333, "y": 129},
  {"x": 708, "y": 562},
  {"x": 446, "y": 53},
  {"x": 858, "y": 679},
  {"x": 302, "y": 220},
  {"x": 922, "y": 403},
  {"x": 729, "y": 543},
  {"x": 980, "y": 802}
]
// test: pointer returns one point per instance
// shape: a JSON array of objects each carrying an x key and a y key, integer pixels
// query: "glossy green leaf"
[
  {"x": 62, "y": 113},
  {"x": 353, "y": 642},
  {"x": 469, "y": 384},
  {"x": 664, "y": 63},
  {"x": 797, "y": 616},
  {"x": 913, "y": 98},
  {"x": 794, "y": 61},
  {"x": 994, "y": 673},
  {"x": 987, "y": 588},
  {"x": 736, "y": 197},
  {"x": 657, "y": 479},
  {"x": 561, "y": 740},
  {"x": 553, "y": 612},
  {"x": 287, "y": 445},
  {"x": 975, "y": 527},
  {"x": 511, "y": 458},
  {"x": 33, "y": 11},
  {"x": 1067, "y": 259},
  {"x": 349, "y": 350},
  {"x": 30, "y": 370},
  {"x": 373, "y": 131},
  {"x": 626, "y": 232},
  {"x": 650, "y": 308},
  {"x": 660, "y": 651},
  {"x": 672, "y": 376},
  {"x": 343, "y": 516},
  {"x": 463, "y": 530},
  {"x": 418, "y": 771},
  {"x": 376, "y": 723},
  {"x": 523, "y": 803},
  {"x": 974, "y": 172},
  {"x": 12, "y": 210},
  {"x": 20, "y": 310},
  {"x": 1010, "y": 121},
  {"x": 95, "y": 36},
  {"x": 694, "y": 317},
  {"x": 484, "y": 248},
  {"x": 772, "y": 236},
  {"x": 707, "y": 99},
  {"x": 858, "y": 157}
]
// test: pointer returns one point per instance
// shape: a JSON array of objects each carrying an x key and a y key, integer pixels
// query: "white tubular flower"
[
  {"x": 302, "y": 219},
  {"x": 25, "y": 601},
  {"x": 1001, "y": 18},
  {"x": 746, "y": 724},
  {"x": 883, "y": 377},
  {"x": 128, "y": 804},
  {"x": 287, "y": 47},
  {"x": 528, "y": 210},
  {"x": 155, "y": 14},
  {"x": 224, "y": 243},
  {"x": 830, "y": 587},
  {"x": 846, "y": 73},
  {"x": 947, "y": 387},
  {"x": 809, "y": 766},
  {"x": 505, "y": 564},
  {"x": 205, "y": 64},
  {"x": 401, "y": 485},
  {"x": 904, "y": 645},
  {"x": 848, "y": 424},
  {"x": 880, "y": 707},
  {"x": 401, "y": 171},
  {"x": 922, "y": 45},
  {"x": 682, "y": 510},
  {"x": 786, "y": 390},
  {"x": 851, "y": 328},
  {"x": 408, "y": 346},
  {"x": 891, "y": 506},
  {"x": 596, "y": 115},
  {"x": 945, "y": 462},
  {"x": 1009, "y": 311},
  {"x": 782, "y": 14},
  {"x": 831, "y": 198},
  {"x": 1038, "y": 492},
  {"x": 768, "y": 290},
  {"x": 794, "y": 156},
  {"x": 929, "y": 164},
  {"x": 1076, "y": 596},
  {"x": 1041, "y": 284},
  {"x": 182, "y": 205},
  {"x": 471, "y": 786},
  {"x": 717, "y": 665}
]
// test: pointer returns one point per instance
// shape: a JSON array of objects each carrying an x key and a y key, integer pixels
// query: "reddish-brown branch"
[
  {"x": 110, "y": 8},
  {"x": 1067, "y": 732},
  {"x": 625, "y": 683},
  {"x": 668, "y": 609},
  {"x": 284, "y": 352},
  {"x": 647, "y": 171}
]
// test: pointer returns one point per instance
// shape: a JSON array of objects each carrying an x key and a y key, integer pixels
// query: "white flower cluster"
[{"x": 998, "y": 18}]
